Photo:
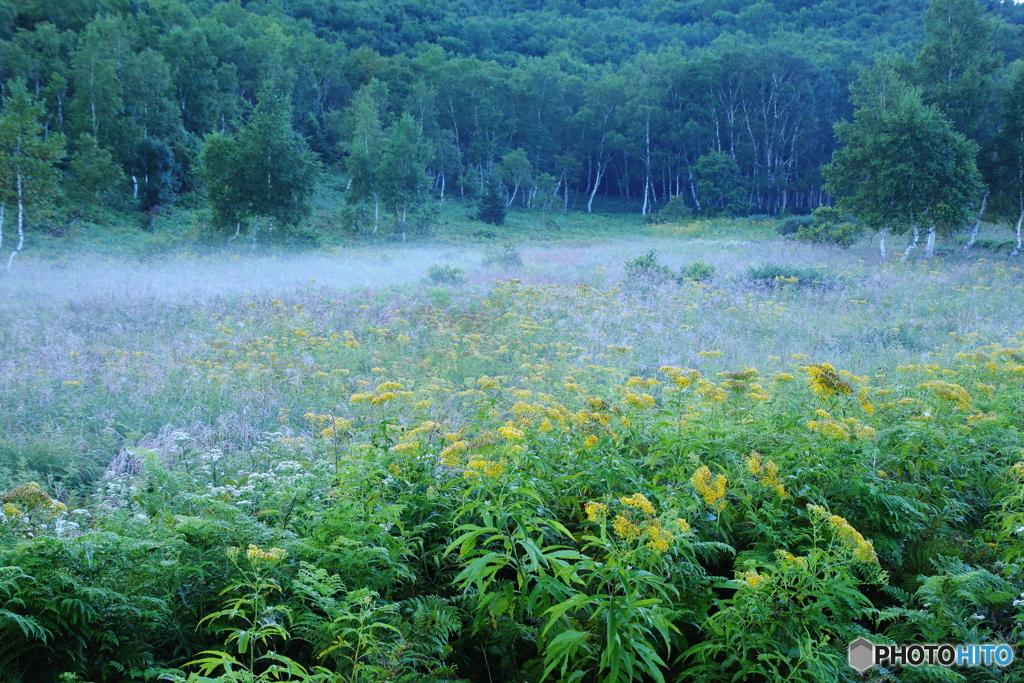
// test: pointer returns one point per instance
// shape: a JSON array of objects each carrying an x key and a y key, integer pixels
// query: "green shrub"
[
  {"x": 776, "y": 275},
  {"x": 648, "y": 270},
  {"x": 445, "y": 275},
  {"x": 676, "y": 210},
  {"x": 792, "y": 224},
  {"x": 698, "y": 270},
  {"x": 829, "y": 225},
  {"x": 508, "y": 257}
]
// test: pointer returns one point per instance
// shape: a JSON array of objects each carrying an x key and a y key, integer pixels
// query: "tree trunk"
[
  {"x": 977, "y": 223},
  {"x": 912, "y": 246},
  {"x": 1015, "y": 251},
  {"x": 135, "y": 187},
  {"x": 881, "y": 243},
  {"x": 929, "y": 250},
  {"x": 593, "y": 191},
  {"x": 21, "y": 225},
  {"x": 376, "y": 211},
  {"x": 3, "y": 208},
  {"x": 442, "y": 187}
]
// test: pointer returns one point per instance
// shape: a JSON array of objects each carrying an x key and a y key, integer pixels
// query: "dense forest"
[{"x": 727, "y": 105}]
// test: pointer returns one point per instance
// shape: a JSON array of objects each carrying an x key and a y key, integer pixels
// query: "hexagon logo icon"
[{"x": 862, "y": 654}]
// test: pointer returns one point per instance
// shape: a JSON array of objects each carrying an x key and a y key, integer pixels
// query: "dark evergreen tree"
[{"x": 492, "y": 207}]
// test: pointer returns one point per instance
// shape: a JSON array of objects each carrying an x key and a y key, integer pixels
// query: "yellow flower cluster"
[
  {"x": 30, "y": 499},
  {"x": 625, "y": 529},
  {"x": 451, "y": 455},
  {"x": 825, "y": 381},
  {"x": 767, "y": 473},
  {"x": 950, "y": 392},
  {"x": 595, "y": 511},
  {"x": 591, "y": 441},
  {"x": 487, "y": 468},
  {"x": 682, "y": 378},
  {"x": 751, "y": 578},
  {"x": 684, "y": 526},
  {"x": 510, "y": 432},
  {"x": 849, "y": 429},
  {"x": 407, "y": 447},
  {"x": 638, "y": 501},
  {"x": 389, "y": 386},
  {"x": 641, "y": 401},
  {"x": 658, "y": 538},
  {"x": 712, "y": 490},
  {"x": 850, "y": 538},
  {"x": 257, "y": 555}
]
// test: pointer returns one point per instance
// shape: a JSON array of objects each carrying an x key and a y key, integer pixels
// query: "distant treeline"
[{"x": 726, "y": 104}]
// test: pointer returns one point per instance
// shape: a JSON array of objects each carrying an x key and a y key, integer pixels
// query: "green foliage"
[
  {"x": 445, "y": 275},
  {"x": 829, "y": 225},
  {"x": 675, "y": 210},
  {"x": 508, "y": 257},
  {"x": 721, "y": 185},
  {"x": 791, "y": 224},
  {"x": 492, "y": 207},
  {"x": 776, "y": 275},
  {"x": 698, "y": 270}
]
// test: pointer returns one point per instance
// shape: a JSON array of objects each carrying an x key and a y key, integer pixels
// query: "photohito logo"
[{"x": 864, "y": 654}]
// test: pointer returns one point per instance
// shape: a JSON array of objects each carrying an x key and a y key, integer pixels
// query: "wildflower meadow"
[{"x": 566, "y": 468}]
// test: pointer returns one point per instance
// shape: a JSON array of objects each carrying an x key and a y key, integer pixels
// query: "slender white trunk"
[
  {"x": 21, "y": 225},
  {"x": 3, "y": 208},
  {"x": 1015, "y": 251},
  {"x": 597, "y": 182},
  {"x": 442, "y": 187},
  {"x": 912, "y": 246},
  {"x": 881, "y": 243},
  {"x": 977, "y": 223},
  {"x": 929, "y": 250},
  {"x": 135, "y": 187},
  {"x": 376, "y": 211}
]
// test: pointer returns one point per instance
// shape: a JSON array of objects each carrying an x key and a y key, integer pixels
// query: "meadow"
[{"x": 450, "y": 459}]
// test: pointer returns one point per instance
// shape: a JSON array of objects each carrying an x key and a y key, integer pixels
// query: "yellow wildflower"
[
  {"x": 383, "y": 398},
  {"x": 510, "y": 432},
  {"x": 950, "y": 392},
  {"x": 825, "y": 381},
  {"x": 658, "y": 538},
  {"x": 389, "y": 386},
  {"x": 451, "y": 455},
  {"x": 684, "y": 526},
  {"x": 641, "y": 401},
  {"x": 638, "y": 501},
  {"x": 625, "y": 529},
  {"x": 711, "y": 490},
  {"x": 409, "y": 447},
  {"x": 595, "y": 511},
  {"x": 257, "y": 555},
  {"x": 590, "y": 441}
]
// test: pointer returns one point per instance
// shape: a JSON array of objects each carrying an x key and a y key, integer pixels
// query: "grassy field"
[{"x": 551, "y": 466}]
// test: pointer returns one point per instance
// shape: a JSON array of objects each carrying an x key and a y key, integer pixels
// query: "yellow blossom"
[
  {"x": 389, "y": 386},
  {"x": 510, "y": 432},
  {"x": 590, "y": 441},
  {"x": 638, "y": 501},
  {"x": 595, "y": 511},
  {"x": 658, "y": 538},
  {"x": 409, "y": 447},
  {"x": 712, "y": 490},
  {"x": 257, "y": 555},
  {"x": 825, "y": 381},
  {"x": 383, "y": 398},
  {"x": 452, "y": 455},
  {"x": 625, "y": 529}
]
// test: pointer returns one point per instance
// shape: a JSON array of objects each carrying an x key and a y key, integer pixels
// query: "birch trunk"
[
  {"x": 912, "y": 246},
  {"x": 977, "y": 223},
  {"x": 881, "y": 243},
  {"x": 3, "y": 208},
  {"x": 21, "y": 225},
  {"x": 929, "y": 250},
  {"x": 1015, "y": 251}
]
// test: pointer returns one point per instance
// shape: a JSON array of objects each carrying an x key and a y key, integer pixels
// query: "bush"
[
  {"x": 508, "y": 257},
  {"x": 776, "y": 275},
  {"x": 790, "y": 225},
  {"x": 445, "y": 275},
  {"x": 698, "y": 270},
  {"x": 829, "y": 225},
  {"x": 647, "y": 269},
  {"x": 676, "y": 210}
]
